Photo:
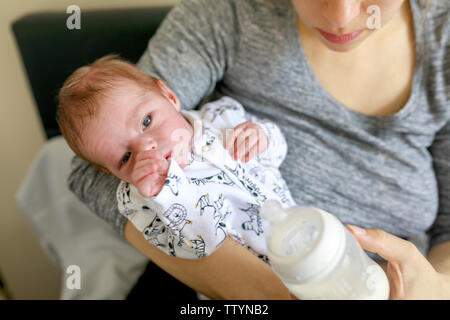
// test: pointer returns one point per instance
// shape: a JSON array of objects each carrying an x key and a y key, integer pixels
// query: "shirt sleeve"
[
  {"x": 97, "y": 190},
  {"x": 440, "y": 151},
  {"x": 177, "y": 221},
  {"x": 192, "y": 48}
]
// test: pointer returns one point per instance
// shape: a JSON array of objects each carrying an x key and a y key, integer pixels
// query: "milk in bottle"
[{"x": 316, "y": 257}]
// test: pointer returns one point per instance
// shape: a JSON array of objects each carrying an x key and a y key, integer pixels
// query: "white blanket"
[{"x": 71, "y": 234}]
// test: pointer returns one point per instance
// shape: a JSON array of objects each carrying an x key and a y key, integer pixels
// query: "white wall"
[{"x": 28, "y": 272}]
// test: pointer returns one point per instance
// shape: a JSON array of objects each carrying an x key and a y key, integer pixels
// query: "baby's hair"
[{"x": 84, "y": 91}]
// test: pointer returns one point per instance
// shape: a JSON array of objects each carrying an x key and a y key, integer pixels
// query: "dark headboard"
[{"x": 51, "y": 52}]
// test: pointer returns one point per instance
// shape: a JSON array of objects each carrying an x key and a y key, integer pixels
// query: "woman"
[{"x": 361, "y": 90}]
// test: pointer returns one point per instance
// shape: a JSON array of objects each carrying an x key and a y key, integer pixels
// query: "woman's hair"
[{"x": 86, "y": 90}]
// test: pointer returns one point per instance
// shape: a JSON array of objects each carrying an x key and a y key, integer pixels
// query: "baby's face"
[{"x": 131, "y": 121}]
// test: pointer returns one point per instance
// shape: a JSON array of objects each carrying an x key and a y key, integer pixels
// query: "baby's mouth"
[{"x": 168, "y": 155}]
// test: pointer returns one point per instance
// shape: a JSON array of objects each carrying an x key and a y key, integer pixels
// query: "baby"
[{"x": 184, "y": 186}]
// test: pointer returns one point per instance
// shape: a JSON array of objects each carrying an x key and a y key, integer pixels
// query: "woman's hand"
[{"x": 410, "y": 274}]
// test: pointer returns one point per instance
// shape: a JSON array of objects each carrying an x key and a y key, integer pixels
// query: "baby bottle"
[{"x": 316, "y": 257}]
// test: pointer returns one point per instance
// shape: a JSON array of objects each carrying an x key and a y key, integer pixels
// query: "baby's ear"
[{"x": 165, "y": 90}]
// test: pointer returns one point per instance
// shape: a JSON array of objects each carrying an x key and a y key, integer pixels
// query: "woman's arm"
[
  {"x": 439, "y": 258},
  {"x": 439, "y": 255},
  {"x": 97, "y": 190},
  {"x": 231, "y": 272}
]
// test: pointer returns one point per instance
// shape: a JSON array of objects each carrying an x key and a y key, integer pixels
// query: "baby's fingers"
[
  {"x": 246, "y": 141},
  {"x": 250, "y": 155},
  {"x": 150, "y": 185},
  {"x": 149, "y": 167},
  {"x": 231, "y": 139}
]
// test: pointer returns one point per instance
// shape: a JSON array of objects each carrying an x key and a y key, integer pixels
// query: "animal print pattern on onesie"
[{"x": 213, "y": 197}]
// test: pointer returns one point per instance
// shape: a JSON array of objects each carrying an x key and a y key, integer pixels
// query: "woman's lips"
[
  {"x": 169, "y": 155},
  {"x": 340, "y": 39}
]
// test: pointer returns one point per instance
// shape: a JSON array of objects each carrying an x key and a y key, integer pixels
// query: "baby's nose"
[{"x": 145, "y": 145}]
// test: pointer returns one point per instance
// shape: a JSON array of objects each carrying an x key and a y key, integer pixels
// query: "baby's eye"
[
  {"x": 146, "y": 122},
  {"x": 126, "y": 157}
]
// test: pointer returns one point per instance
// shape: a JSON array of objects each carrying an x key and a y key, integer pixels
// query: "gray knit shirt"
[{"x": 390, "y": 172}]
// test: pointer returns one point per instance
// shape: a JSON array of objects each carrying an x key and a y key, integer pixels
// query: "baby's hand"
[
  {"x": 149, "y": 172},
  {"x": 246, "y": 141}
]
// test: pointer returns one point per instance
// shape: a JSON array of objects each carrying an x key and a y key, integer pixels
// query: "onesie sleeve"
[
  {"x": 226, "y": 113},
  {"x": 175, "y": 221},
  {"x": 277, "y": 149}
]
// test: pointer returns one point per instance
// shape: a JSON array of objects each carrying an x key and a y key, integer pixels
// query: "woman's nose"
[{"x": 341, "y": 12}]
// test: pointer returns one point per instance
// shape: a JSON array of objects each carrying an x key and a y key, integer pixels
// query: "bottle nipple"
[{"x": 273, "y": 212}]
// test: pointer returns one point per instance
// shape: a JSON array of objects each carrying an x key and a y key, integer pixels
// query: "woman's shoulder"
[
  {"x": 436, "y": 30},
  {"x": 216, "y": 6},
  {"x": 439, "y": 13},
  {"x": 251, "y": 7},
  {"x": 442, "y": 5},
  {"x": 437, "y": 41},
  {"x": 440, "y": 16}
]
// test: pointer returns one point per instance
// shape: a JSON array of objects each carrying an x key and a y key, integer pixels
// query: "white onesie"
[{"x": 214, "y": 195}]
